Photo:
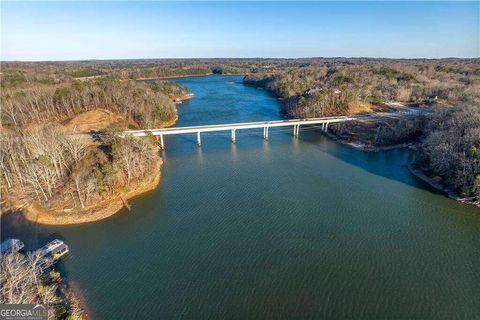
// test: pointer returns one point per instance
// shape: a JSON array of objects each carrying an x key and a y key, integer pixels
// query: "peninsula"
[
  {"x": 57, "y": 177},
  {"x": 56, "y": 169}
]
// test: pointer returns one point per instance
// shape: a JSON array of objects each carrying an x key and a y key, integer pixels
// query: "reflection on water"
[{"x": 289, "y": 228}]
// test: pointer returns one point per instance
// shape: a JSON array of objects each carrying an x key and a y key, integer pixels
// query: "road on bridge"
[{"x": 296, "y": 123}]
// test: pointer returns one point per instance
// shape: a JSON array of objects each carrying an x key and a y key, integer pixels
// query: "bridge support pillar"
[
  {"x": 199, "y": 142},
  {"x": 296, "y": 130},
  {"x": 233, "y": 135},
  {"x": 326, "y": 127},
  {"x": 162, "y": 146},
  {"x": 265, "y": 133}
]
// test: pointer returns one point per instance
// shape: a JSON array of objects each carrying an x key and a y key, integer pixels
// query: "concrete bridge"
[{"x": 295, "y": 123}]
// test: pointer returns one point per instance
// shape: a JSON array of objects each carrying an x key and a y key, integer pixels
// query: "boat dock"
[{"x": 48, "y": 254}]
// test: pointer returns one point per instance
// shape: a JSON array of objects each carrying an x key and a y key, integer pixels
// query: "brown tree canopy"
[
  {"x": 136, "y": 101},
  {"x": 451, "y": 148}
]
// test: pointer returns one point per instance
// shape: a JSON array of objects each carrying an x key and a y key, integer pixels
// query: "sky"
[{"x": 134, "y": 30}]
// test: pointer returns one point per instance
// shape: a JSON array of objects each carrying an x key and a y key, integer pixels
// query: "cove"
[{"x": 289, "y": 228}]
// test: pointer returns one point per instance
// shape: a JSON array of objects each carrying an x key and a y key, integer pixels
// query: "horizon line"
[{"x": 246, "y": 58}]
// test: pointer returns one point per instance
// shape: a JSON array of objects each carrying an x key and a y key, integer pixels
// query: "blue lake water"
[{"x": 286, "y": 229}]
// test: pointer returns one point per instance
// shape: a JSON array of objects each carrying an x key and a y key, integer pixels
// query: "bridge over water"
[{"x": 295, "y": 123}]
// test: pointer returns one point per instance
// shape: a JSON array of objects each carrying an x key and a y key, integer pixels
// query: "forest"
[
  {"x": 142, "y": 103},
  {"x": 40, "y": 162},
  {"x": 331, "y": 88},
  {"x": 45, "y": 165},
  {"x": 23, "y": 280},
  {"x": 36, "y": 93},
  {"x": 450, "y": 149}
]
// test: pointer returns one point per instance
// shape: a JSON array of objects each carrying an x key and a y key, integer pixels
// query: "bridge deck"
[
  {"x": 296, "y": 123},
  {"x": 242, "y": 125}
]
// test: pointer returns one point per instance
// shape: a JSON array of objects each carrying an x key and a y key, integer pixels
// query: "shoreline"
[
  {"x": 367, "y": 148},
  {"x": 79, "y": 299},
  {"x": 356, "y": 145},
  {"x": 171, "y": 122},
  {"x": 181, "y": 97},
  {"x": 172, "y": 77},
  {"x": 71, "y": 298},
  {"x": 418, "y": 173},
  {"x": 187, "y": 76},
  {"x": 103, "y": 209}
]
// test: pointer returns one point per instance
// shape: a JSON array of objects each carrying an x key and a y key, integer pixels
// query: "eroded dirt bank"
[{"x": 101, "y": 209}]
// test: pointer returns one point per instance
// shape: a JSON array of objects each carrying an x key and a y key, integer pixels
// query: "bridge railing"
[{"x": 296, "y": 123}]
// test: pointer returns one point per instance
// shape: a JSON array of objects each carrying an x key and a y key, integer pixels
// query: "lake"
[{"x": 286, "y": 229}]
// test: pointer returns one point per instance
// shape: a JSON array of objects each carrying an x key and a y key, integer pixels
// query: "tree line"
[
  {"x": 329, "y": 89},
  {"x": 137, "y": 101},
  {"x": 451, "y": 149}
]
